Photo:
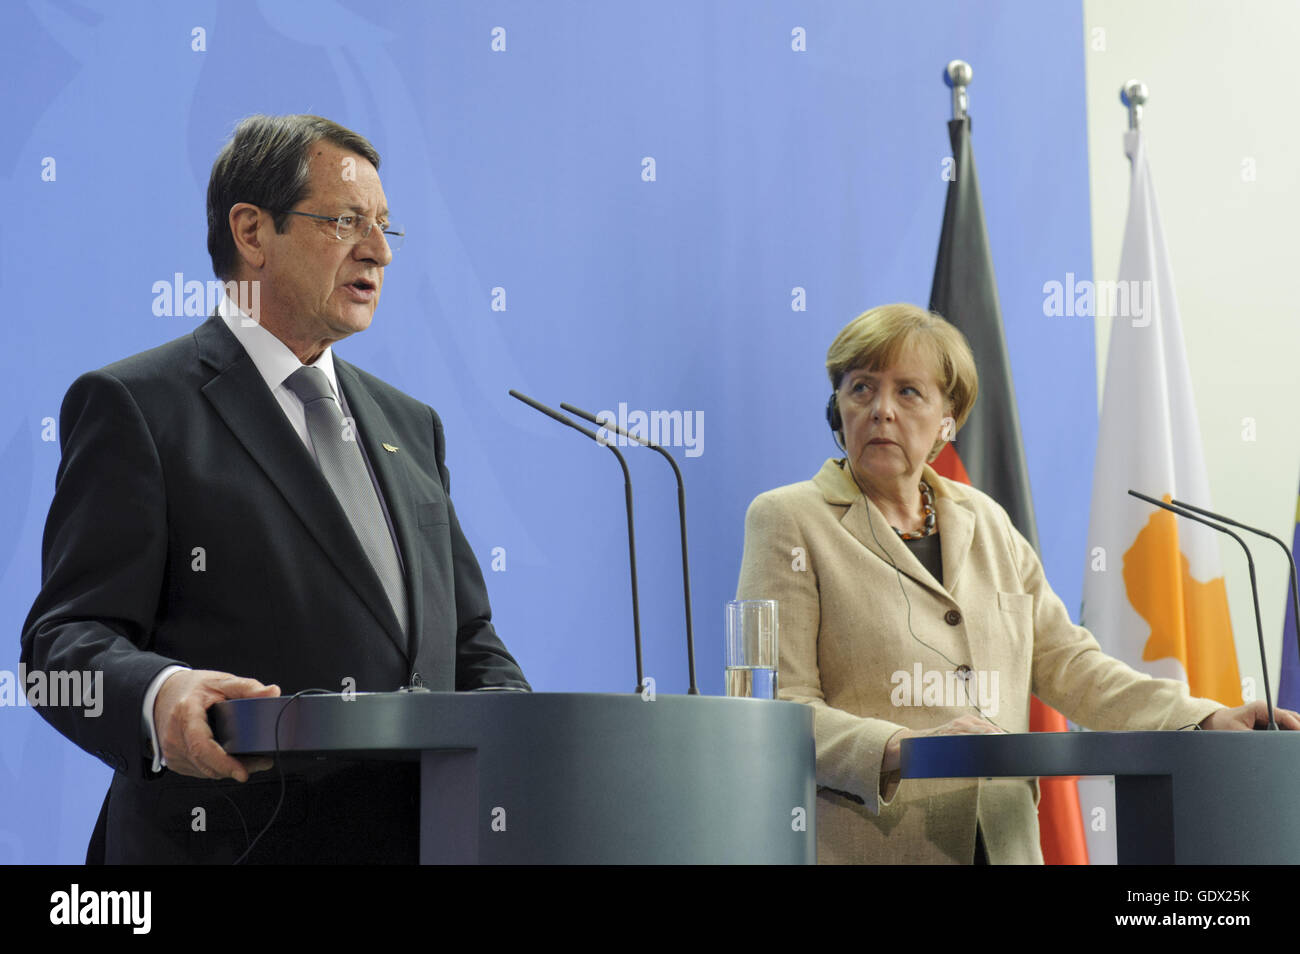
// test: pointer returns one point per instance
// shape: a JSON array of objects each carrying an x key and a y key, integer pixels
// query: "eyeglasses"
[{"x": 356, "y": 228}]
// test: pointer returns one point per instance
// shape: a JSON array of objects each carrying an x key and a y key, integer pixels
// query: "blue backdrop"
[{"x": 521, "y": 175}]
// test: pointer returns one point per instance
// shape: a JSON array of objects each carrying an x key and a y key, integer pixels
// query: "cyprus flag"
[{"x": 1153, "y": 593}]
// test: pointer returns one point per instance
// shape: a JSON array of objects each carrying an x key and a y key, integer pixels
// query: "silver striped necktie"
[{"x": 340, "y": 459}]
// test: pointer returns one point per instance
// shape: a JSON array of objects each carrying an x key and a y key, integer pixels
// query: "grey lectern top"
[
  {"x": 563, "y": 778},
  {"x": 1180, "y": 797}
]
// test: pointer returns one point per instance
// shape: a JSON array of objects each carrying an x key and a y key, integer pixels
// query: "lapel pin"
[{"x": 389, "y": 447}]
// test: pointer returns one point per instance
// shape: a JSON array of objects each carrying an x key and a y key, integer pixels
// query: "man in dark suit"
[{"x": 241, "y": 513}]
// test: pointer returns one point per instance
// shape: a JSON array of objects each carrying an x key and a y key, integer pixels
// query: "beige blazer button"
[{"x": 952, "y": 617}]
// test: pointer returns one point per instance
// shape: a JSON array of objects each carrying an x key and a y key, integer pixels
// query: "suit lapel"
[
  {"x": 956, "y": 530},
  {"x": 239, "y": 394},
  {"x": 956, "y": 527},
  {"x": 375, "y": 430}
]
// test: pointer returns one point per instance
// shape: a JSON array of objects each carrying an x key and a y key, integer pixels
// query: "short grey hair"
[{"x": 267, "y": 163}]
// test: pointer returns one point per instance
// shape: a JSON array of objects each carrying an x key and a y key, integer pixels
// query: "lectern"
[
  {"x": 1188, "y": 798},
  {"x": 564, "y": 778}
]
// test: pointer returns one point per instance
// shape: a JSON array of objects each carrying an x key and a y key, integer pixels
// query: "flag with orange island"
[{"x": 1153, "y": 591}]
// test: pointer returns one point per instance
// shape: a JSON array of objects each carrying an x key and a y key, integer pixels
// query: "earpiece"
[
  {"x": 835, "y": 419},
  {"x": 833, "y": 416}
]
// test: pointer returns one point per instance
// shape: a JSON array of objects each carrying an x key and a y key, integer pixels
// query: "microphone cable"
[{"x": 280, "y": 766}]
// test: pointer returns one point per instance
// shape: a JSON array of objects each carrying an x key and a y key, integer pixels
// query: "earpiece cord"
[{"x": 903, "y": 589}]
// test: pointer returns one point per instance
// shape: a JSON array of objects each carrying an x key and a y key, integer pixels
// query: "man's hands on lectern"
[
  {"x": 1253, "y": 715},
  {"x": 180, "y": 716}
]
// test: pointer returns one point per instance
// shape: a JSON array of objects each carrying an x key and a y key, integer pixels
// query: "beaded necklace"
[{"x": 927, "y": 501}]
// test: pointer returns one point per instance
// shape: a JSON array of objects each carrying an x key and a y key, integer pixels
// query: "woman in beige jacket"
[{"x": 910, "y": 605}]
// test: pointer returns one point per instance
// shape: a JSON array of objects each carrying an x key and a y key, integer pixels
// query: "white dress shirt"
[{"x": 276, "y": 363}]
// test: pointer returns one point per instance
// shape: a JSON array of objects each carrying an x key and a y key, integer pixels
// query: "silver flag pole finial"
[
  {"x": 1133, "y": 95},
  {"x": 957, "y": 75}
]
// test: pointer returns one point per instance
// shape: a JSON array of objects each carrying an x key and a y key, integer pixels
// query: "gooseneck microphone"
[
  {"x": 1254, "y": 586},
  {"x": 681, "y": 515},
  {"x": 631, "y": 532},
  {"x": 1295, "y": 598}
]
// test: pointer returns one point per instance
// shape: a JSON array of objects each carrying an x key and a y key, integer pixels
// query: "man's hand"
[
  {"x": 180, "y": 716},
  {"x": 1253, "y": 715}
]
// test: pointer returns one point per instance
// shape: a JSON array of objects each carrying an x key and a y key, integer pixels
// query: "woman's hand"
[
  {"x": 1253, "y": 715},
  {"x": 962, "y": 725}
]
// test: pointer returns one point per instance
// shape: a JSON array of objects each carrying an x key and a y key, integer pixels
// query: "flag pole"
[
  {"x": 957, "y": 76},
  {"x": 1133, "y": 95}
]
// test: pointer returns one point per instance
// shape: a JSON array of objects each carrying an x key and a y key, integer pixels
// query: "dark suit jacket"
[{"x": 191, "y": 525}]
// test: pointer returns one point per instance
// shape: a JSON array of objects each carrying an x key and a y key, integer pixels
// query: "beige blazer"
[{"x": 845, "y": 649}]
